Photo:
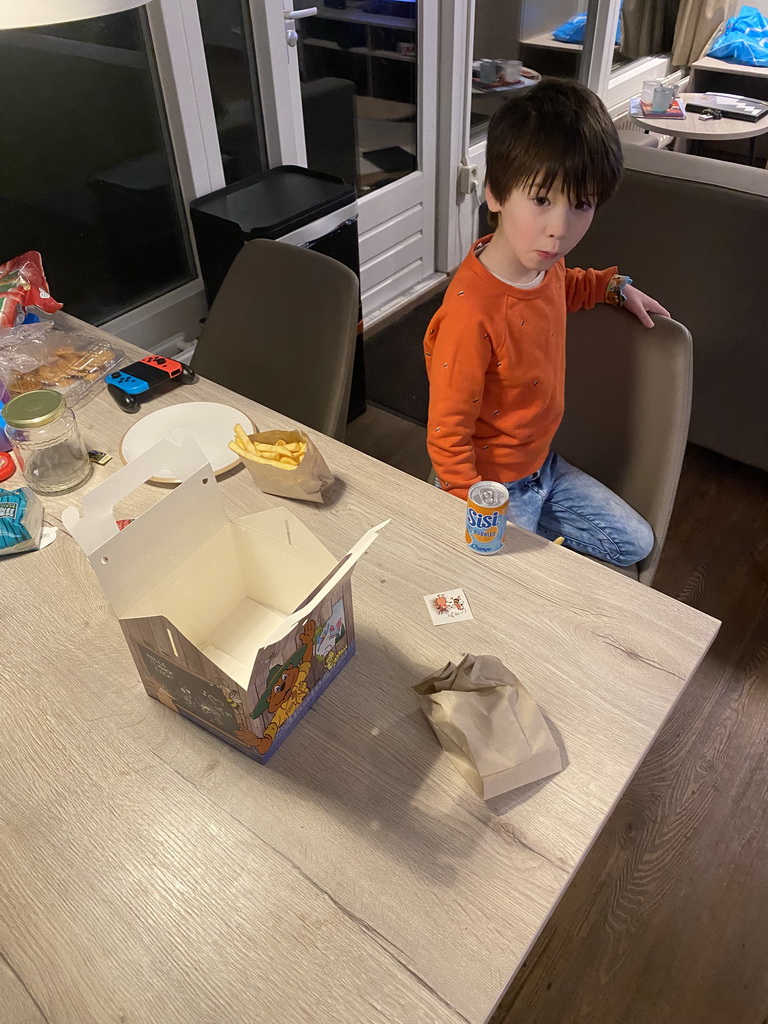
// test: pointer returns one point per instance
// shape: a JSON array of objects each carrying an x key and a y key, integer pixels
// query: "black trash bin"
[{"x": 287, "y": 204}]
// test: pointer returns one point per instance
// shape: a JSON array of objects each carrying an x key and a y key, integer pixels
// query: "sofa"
[{"x": 693, "y": 232}]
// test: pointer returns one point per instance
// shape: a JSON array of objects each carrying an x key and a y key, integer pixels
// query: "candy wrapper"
[
  {"x": 21, "y": 521},
  {"x": 284, "y": 462},
  {"x": 24, "y": 290}
]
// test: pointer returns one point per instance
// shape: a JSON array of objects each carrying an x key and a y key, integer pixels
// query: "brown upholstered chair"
[
  {"x": 627, "y": 407},
  {"x": 282, "y": 332}
]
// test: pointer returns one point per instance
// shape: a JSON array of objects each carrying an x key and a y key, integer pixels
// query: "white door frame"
[
  {"x": 600, "y": 44},
  {"x": 178, "y": 44},
  {"x": 397, "y": 222},
  {"x": 278, "y": 70},
  {"x": 456, "y": 211}
]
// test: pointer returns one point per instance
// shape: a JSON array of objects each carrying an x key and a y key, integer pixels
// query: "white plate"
[
  {"x": 210, "y": 424},
  {"x": 529, "y": 78}
]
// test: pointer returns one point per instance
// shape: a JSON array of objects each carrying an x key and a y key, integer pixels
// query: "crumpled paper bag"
[
  {"x": 311, "y": 480},
  {"x": 490, "y": 725}
]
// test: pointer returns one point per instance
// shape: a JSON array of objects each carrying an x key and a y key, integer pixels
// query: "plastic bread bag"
[
  {"x": 23, "y": 348},
  {"x": 38, "y": 355}
]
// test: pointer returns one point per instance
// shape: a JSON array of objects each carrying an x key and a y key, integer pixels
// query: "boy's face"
[{"x": 537, "y": 228}]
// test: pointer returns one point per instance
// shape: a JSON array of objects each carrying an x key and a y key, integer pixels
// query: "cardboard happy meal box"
[{"x": 238, "y": 625}]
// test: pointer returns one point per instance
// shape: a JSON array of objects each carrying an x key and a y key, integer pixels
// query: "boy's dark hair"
[{"x": 557, "y": 128}]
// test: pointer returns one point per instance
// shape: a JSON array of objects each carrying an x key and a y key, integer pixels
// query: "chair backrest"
[
  {"x": 693, "y": 233},
  {"x": 627, "y": 407},
  {"x": 282, "y": 332}
]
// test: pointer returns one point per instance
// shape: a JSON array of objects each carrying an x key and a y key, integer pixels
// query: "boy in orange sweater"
[{"x": 495, "y": 350}]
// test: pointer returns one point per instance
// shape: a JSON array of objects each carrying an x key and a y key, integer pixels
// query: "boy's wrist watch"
[{"x": 614, "y": 293}]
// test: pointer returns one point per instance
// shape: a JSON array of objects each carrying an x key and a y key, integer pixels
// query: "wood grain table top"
[
  {"x": 150, "y": 873},
  {"x": 692, "y": 127}
]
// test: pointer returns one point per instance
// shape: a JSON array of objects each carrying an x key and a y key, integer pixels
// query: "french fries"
[
  {"x": 282, "y": 454},
  {"x": 242, "y": 439}
]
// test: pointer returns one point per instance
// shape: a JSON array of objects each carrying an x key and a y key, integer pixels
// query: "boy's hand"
[{"x": 641, "y": 305}]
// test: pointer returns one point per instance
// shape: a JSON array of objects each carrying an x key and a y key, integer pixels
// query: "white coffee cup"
[
  {"x": 511, "y": 70},
  {"x": 649, "y": 86}
]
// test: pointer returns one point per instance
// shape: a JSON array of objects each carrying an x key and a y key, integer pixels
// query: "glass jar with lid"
[{"x": 44, "y": 435}]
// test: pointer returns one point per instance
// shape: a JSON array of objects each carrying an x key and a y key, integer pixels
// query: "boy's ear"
[{"x": 493, "y": 204}]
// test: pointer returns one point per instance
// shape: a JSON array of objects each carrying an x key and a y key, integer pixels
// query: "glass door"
[
  {"x": 362, "y": 77},
  {"x": 358, "y": 72}
]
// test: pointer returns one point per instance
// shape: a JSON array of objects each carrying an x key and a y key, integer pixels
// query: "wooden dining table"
[{"x": 151, "y": 874}]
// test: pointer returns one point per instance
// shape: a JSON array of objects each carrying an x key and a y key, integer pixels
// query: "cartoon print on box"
[
  {"x": 286, "y": 688},
  {"x": 330, "y": 638},
  {"x": 190, "y": 694},
  {"x": 288, "y": 676}
]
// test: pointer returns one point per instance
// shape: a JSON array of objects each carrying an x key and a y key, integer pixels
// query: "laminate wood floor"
[
  {"x": 393, "y": 440},
  {"x": 666, "y": 921}
]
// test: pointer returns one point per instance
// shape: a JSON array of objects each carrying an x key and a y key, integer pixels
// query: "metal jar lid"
[{"x": 34, "y": 409}]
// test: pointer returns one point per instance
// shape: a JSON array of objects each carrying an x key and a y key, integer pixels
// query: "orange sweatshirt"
[{"x": 496, "y": 365}]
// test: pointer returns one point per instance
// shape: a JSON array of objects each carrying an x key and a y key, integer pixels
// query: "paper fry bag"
[
  {"x": 310, "y": 480},
  {"x": 490, "y": 725}
]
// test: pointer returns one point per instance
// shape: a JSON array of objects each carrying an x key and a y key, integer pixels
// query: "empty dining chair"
[
  {"x": 282, "y": 331},
  {"x": 627, "y": 409}
]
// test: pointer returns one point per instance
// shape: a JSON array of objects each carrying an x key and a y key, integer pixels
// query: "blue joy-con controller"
[{"x": 127, "y": 382}]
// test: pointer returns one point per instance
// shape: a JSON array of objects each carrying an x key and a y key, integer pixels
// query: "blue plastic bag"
[
  {"x": 744, "y": 40},
  {"x": 572, "y": 31}
]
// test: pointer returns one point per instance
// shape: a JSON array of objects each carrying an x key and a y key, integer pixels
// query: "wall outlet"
[{"x": 468, "y": 181}]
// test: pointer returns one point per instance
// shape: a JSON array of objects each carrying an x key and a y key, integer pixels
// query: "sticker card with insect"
[{"x": 448, "y": 606}]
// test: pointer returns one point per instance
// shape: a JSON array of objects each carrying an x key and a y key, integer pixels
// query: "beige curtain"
[
  {"x": 697, "y": 22},
  {"x": 648, "y": 27}
]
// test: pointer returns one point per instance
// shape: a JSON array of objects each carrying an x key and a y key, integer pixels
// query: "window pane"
[
  {"x": 88, "y": 176},
  {"x": 521, "y": 30},
  {"x": 231, "y": 61},
  {"x": 358, "y": 64}
]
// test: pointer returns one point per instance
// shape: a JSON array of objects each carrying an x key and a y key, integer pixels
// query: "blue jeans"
[{"x": 561, "y": 501}]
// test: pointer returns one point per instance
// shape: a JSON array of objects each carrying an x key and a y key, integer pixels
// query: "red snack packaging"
[{"x": 24, "y": 289}]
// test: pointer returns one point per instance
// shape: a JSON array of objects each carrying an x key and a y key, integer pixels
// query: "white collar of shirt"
[{"x": 528, "y": 284}]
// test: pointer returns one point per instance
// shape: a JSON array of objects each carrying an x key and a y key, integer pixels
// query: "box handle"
[{"x": 97, "y": 523}]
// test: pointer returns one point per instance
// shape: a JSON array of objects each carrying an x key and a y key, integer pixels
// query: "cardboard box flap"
[
  {"x": 283, "y": 528},
  {"x": 183, "y": 520},
  {"x": 282, "y": 558},
  {"x": 344, "y": 566}
]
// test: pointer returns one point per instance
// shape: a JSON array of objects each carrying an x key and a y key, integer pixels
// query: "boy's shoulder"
[
  {"x": 469, "y": 286},
  {"x": 466, "y": 302}
]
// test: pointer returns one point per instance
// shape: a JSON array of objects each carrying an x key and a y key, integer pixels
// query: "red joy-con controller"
[{"x": 169, "y": 366}]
